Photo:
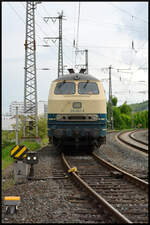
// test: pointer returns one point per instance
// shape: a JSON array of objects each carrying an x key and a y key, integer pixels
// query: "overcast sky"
[{"x": 115, "y": 33}]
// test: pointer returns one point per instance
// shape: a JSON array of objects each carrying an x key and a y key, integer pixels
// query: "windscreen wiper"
[
  {"x": 86, "y": 84},
  {"x": 60, "y": 84}
]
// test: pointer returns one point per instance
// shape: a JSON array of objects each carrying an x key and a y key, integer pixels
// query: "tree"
[
  {"x": 125, "y": 109},
  {"x": 117, "y": 118},
  {"x": 126, "y": 121},
  {"x": 42, "y": 127},
  {"x": 141, "y": 118},
  {"x": 114, "y": 101}
]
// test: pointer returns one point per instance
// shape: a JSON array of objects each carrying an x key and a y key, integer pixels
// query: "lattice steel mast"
[
  {"x": 60, "y": 47},
  {"x": 110, "y": 110},
  {"x": 30, "y": 82}
]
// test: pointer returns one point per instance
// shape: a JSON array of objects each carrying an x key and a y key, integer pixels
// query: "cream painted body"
[{"x": 60, "y": 104}]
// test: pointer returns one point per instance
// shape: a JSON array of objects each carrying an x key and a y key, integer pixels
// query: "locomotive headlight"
[
  {"x": 77, "y": 105},
  {"x": 58, "y": 117},
  {"x": 95, "y": 117}
]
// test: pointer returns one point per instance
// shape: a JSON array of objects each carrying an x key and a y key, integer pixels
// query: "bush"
[
  {"x": 125, "y": 109},
  {"x": 31, "y": 145},
  {"x": 6, "y": 143},
  {"x": 126, "y": 121}
]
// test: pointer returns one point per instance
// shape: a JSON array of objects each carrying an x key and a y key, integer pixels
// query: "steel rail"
[
  {"x": 135, "y": 139},
  {"x": 142, "y": 184},
  {"x": 108, "y": 206},
  {"x": 130, "y": 144}
]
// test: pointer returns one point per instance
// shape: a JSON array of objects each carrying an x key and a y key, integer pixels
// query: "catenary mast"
[{"x": 30, "y": 81}]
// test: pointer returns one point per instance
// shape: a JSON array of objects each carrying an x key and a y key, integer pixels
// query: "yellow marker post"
[
  {"x": 11, "y": 203},
  {"x": 11, "y": 198}
]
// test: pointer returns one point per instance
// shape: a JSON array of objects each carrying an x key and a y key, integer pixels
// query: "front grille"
[{"x": 77, "y": 118}]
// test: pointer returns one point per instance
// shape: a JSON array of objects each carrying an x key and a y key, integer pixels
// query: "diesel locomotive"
[{"x": 77, "y": 111}]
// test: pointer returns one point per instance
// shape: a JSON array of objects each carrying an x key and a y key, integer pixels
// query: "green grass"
[
  {"x": 31, "y": 145},
  {"x": 45, "y": 141},
  {"x": 6, "y": 158}
]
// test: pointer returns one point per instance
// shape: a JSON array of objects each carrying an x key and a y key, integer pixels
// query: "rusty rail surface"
[
  {"x": 114, "y": 188},
  {"x": 101, "y": 200},
  {"x": 130, "y": 144},
  {"x": 135, "y": 139},
  {"x": 137, "y": 181}
]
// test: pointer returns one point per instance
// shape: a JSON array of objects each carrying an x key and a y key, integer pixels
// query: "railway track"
[
  {"x": 128, "y": 138},
  {"x": 80, "y": 205},
  {"x": 58, "y": 200},
  {"x": 124, "y": 195},
  {"x": 131, "y": 135}
]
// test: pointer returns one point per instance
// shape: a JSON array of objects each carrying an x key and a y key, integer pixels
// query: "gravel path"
[
  {"x": 45, "y": 201},
  {"x": 124, "y": 157}
]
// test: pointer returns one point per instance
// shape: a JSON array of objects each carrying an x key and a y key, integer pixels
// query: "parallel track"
[
  {"x": 142, "y": 147},
  {"x": 135, "y": 139}
]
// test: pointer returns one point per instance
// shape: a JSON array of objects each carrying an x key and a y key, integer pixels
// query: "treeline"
[
  {"x": 9, "y": 137},
  {"x": 139, "y": 106},
  {"x": 125, "y": 118}
]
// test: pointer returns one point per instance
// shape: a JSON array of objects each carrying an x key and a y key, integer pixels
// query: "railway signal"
[{"x": 31, "y": 159}]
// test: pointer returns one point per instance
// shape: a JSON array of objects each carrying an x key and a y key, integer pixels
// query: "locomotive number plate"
[{"x": 77, "y": 105}]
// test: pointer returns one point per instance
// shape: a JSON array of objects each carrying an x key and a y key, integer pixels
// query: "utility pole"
[
  {"x": 110, "y": 110},
  {"x": 30, "y": 82},
  {"x": 86, "y": 60},
  {"x": 16, "y": 125},
  {"x": 85, "y": 66},
  {"x": 110, "y": 107},
  {"x": 60, "y": 48}
]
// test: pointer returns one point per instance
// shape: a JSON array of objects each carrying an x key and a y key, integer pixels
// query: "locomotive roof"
[{"x": 76, "y": 76}]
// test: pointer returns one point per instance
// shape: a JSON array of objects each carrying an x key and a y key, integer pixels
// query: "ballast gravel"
[
  {"x": 132, "y": 161},
  {"x": 46, "y": 201}
]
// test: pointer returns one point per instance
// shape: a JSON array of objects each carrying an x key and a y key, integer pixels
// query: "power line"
[
  {"x": 24, "y": 22},
  {"x": 97, "y": 46},
  {"x": 112, "y": 24},
  {"x": 60, "y": 50},
  {"x": 16, "y": 12},
  {"x": 21, "y": 17},
  {"x": 133, "y": 16},
  {"x": 52, "y": 32},
  {"x": 78, "y": 27}
]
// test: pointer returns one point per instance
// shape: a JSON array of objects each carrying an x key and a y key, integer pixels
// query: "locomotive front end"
[{"x": 77, "y": 111}]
